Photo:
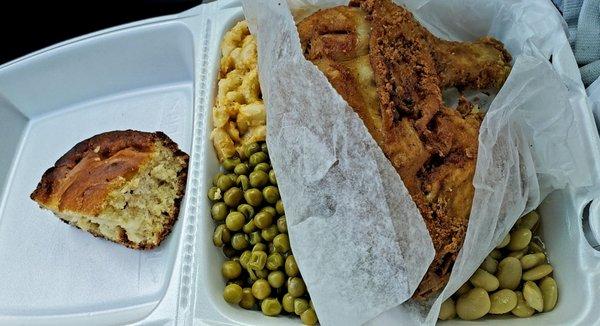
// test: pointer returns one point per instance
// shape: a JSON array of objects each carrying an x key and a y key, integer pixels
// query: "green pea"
[
  {"x": 250, "y": 149},
  {"x": 258, "y": 179},
  {"x": 255, "y": 238},
  {"x": 537, "y": 273},
  {"x": 265, "y": 167},
  {"x": 253, "y": 197},
  {"x": 271, "y": 194},
  {"x": 225, "y": 183},
  {"x": 274, "y": 261},
  {"x": 272, "y": 177},
  {"x": 231, "y": 269},
  {"x": 243, "y": 181},
  {"x": 260, "y": 247},
  {"x": 248, "y": 300},
  {"x": 270, "y": 210},
  {"x": 235, "y": 221},
  {"x": 257, "y": 260},
  {"x": 242, "y": 168},
  {"x": 249, "y": 227},
  {"x": 271, "y": 247},
  {"x": 509, "y": 273},
  {"x": 216, "y": 178},
  {"x": 504, "y": 242},
  {"x": 269, "y": 233},
  {"x": 532, "y": 260},
  {"x": 261, "y": 289},
  {"x": 270, "y": 307},
  {"x": 288, "y": 302},
  {"x": 263, "y": 147},
  {"x": 256, "y": 158},
  {"x": 232, "y": 293},
  {"x": 239, "y": 241},
  {"x": 519, "y": 239},
  {"x": 214, "y": 194},
  {"x": 290, "y": 266},
  {"x": 489, "y": 265},
  {"x": 276, "y": 279},
  {"x": 279, "y": 207},
  {"x": 281, "y": 242},
  {"x": 219, "y": 211},
  {"x": 447, "y": 310},
  {"x": 309, "y": 317},
  {"x": 296, "y": 286},
  {"x": 484, "y": 280},
  {"x": 221, "y": 235},
  {"x": 263, "y": 274},
  {"x": 245, "y": 258},
  {"x": 263, "y": 220},
  {"x": 503, "y": 301},
  {"x": 533, "y": 296},
  {"x": 549, "y": 293},
  {"x": 233, "y": 196},
  {"x": 522, "y": 309},
  {"x": 230, "y": 163},
  {"x": 247, "y": 210},
  {"x": 473, "y": 304},
  {"x": 229, "y": 252},
  {"x": 282, "y": 224},
  {"x": 300, "y": 306}
]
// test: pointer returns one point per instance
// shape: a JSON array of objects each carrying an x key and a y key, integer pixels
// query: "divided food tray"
[{"x": 161, "y": 74}]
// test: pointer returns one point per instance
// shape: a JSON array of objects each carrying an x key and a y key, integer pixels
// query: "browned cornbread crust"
[{"x": 80, "y": 181}]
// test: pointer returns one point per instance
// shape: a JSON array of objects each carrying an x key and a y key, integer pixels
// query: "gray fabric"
[
  {"x": 590, "y": 72},
  {"x": 583, "y": 21},
  {"x": 587, "y": 44}
]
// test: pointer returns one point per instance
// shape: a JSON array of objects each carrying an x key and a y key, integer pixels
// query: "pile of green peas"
[
  {"x": 516, "y": 278},
  {"x": 260, "y": 272}
]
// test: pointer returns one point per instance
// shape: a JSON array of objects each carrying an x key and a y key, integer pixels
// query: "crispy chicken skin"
[{"x": 392, "y": 71}]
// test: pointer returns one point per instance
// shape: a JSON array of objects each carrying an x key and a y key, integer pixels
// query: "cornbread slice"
[{"x": 125, "y": 186}]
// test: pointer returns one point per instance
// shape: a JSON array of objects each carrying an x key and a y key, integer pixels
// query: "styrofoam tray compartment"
[
  {"x": 135, "y": 77},
  {"x": 576, "y": 263},
  {"x": 206, "y": 300}
]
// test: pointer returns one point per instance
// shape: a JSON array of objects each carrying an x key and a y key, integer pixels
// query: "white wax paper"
[
  {"x": 534, "y": 139},
  {"x": 358, "y": 238}
]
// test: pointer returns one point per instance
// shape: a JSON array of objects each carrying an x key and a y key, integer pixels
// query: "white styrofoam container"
[{"x": 161, "y": 74}]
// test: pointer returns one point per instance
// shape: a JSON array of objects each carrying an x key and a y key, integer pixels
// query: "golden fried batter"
[{"x": 391, "y": 71}]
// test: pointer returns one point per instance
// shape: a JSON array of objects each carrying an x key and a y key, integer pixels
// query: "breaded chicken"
[{"x": 392, "y": 71}]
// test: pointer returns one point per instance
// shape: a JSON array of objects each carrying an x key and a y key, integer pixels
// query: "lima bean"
[
  {"x": 503, "y": 301},
  {"x": 473, "y": 304},
  {"x": 518, "y": 254},
  {"x": 519, "y": 239},
  {"x": 463, "y": 289},
  {"x": 448, "y": 310},
  {"x": 529, "y": 220},
  {"x": 504, "y": 242},
  {"x": 496, "y": 254},
  {"x": 537, "y": 273},
  {"x": 549, "y": 293},
  {"x": 509, "y": 273},
  {"x": 484, "y": 280},
  {"x": 522, "y": 309},
  {"x": 534, "y": 247},
  {"x": 489, "y": 265},
  {"x": 533, "y": 296},
  {"x": 532, "y": 260}
]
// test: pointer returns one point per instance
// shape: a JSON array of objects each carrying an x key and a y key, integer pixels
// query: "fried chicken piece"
[{"x": 391, "y": 71}]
